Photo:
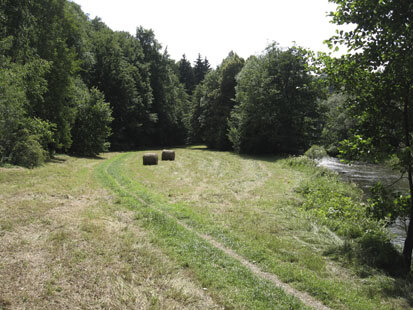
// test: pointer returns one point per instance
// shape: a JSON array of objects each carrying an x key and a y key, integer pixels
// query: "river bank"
[{"x": 366, "y": 175}]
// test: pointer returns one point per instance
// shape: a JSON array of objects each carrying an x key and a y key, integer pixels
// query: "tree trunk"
[{"x": 408, "y": 243}]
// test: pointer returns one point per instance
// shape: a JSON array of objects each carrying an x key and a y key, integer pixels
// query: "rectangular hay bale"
[
  {"x": 150, "y": 159},
  {"x": 168, "y": 155}
]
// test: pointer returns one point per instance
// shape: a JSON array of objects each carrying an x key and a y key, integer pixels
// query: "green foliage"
[
  {"x": 338, "y": 123},
  {"x": 28, "y": 152},
  {"x": 117, "y": 69},
  {"x": 49, "y": 49},
  {"x": 301, "y": 163},
  {"x": 378, "y": 76},
  {"x": 316, "y": 152},
  {"x": 186, "y": 75},
  {"x": 375, "y": 249},
  {"x": 340, "y": 206},
  {"x": 44, "y": 133},
  {"x": 23, "y": 140},
  {"x": 92, "y": 126},
  {"x": 12, "y": 115},
  {"x": 386, "y": 205},
  {"x": 201, "y": 68},
  {"x": 213, "y": 102},
  {"x": 368, "y": 253},
  {"x": 376, "y": 81},
  {"x": 357, "y": 147},
  {"x": 337, "y": 204},
  {"x": 276, "y": 104},
  {"x": 170, "y": 101}
]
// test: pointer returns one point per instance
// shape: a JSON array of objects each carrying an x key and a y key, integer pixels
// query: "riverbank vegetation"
[
  {"x": 378, "y": 80},
  {"x": 343, "y": 208}
]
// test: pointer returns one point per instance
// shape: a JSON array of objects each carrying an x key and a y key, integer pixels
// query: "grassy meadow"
[{"x": 110, "y": 233}]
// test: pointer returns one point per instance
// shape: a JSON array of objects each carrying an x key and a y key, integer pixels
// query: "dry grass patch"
[{"x": 64, "y": 243}]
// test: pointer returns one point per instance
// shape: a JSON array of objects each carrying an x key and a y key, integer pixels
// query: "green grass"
[
  {"x": 249, "y": 205},
  {"x": 66, "y": 243},
  {"x": 79, "y": 228},
  {"x": 231, "y": 284}
]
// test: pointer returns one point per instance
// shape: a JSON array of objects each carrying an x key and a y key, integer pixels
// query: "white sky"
[{"x": 213, "y": 28}]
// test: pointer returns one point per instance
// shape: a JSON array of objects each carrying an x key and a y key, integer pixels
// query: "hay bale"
[
  {"x": 168, "y": 155},
  {"x": 150, "y": 159}
]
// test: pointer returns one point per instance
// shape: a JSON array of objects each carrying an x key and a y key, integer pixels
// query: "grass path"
[
  {"x": 303, "y": 297},
  {"x": 228, "y": 281}
]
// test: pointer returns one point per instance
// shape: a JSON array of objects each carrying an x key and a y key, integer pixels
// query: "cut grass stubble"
[
  {"x": 226, "y": 279},
  {"x": 260, "y": 222},
  {"x": 67, "y": 244}
]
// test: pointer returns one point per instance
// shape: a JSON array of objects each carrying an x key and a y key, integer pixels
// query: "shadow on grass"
[
  {"x": 265, "y": 157},
  {"x": 96, "y": 157},
  {"x": 56, "y": 160},
  {"x": 4, "y": 304},
  {"x": 370, "y": 256},
  {"x": 59, "y": 160}
]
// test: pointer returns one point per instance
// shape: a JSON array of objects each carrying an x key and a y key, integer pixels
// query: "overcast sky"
[{"x": 215, "y": 27}]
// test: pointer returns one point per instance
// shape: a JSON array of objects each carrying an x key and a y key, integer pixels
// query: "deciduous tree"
[
  {"x": 276, "y": 104},
  {"x": 378, "y": 77}
]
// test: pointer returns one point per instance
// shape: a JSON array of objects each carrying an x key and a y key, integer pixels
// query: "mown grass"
[
  {"x": 66, "y": 244},
  {"x": 249, "y": 205},
  {"x": 229, "y": 283},
  {"x": 105, "y": 233}
]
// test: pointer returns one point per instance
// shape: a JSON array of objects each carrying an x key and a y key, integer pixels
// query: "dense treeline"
[{"x": 71, "y": 84}]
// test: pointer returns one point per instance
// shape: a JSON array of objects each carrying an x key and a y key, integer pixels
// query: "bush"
[
  {"x": 44, "y": 131},
  {"x": 316, "y": 152},
  {"x": 376, "y": 250},
  {"x": 339, "y": 205},
  {"x": 300, "y": 162},
  {"x": 23, "y": 138},
  {"x": 28, "y": 152},
  {"x": 387, "y": 205}
]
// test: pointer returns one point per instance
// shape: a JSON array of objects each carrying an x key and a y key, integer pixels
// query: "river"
[{"x": 365, "y": 175}]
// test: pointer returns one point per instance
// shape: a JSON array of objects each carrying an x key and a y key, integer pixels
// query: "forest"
[{"x": 69, "y": 84}]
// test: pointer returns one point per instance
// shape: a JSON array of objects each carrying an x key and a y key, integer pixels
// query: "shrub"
[
  {"x": 335, "y": 203},
  {"x": 23, "y": 138},
  {"x": 340, "y": 206},
  {"x": 44, "y": 131},
  {"x": 316, "y": 152},
  {"x": 300, "y": 162},
  {"x": 28, "y": 152},
  {"x": 387, "y": 205},
  {"x": 376, "y": 250}
]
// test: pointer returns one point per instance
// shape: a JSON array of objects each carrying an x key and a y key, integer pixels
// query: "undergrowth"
[{"x": 340, "y": 206}]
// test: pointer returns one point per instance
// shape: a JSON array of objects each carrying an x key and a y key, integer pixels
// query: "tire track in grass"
[{"x": 120, "y": 181}]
